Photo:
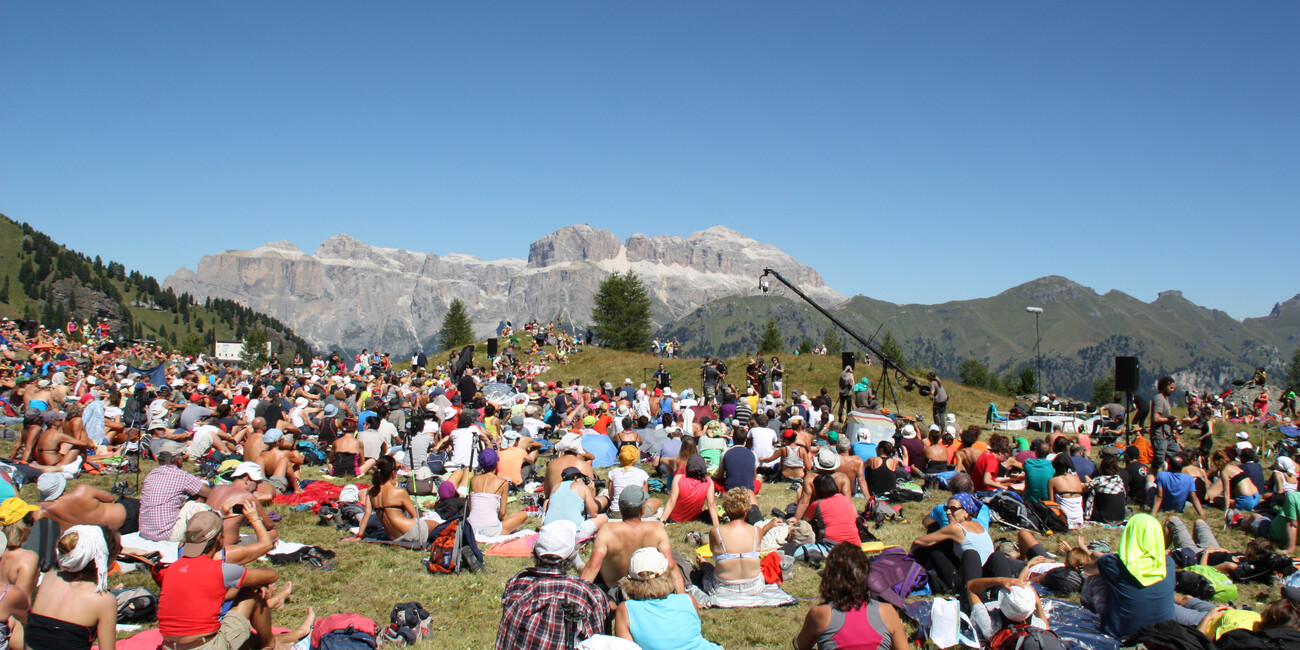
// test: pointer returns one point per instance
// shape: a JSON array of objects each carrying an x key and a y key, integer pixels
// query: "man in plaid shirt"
[
  {"x": 166, "y": 490},
  {"x": 536, "y": 601}
]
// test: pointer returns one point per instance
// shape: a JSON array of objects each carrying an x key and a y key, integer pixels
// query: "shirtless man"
[
  {"x": 280, "y": 463},
  {"x": 253, "y": 445},
  {"x": 968, "y": 454},
  {"x": 232, "y": 501},
  {"x": 571, "y": 455},
  {"x": 87, "y": 505},
  {"x": 852, "y": 467},
  {"x": 616, "y": 541}
]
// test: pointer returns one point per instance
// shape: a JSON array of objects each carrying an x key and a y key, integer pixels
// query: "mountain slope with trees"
[{"x": 45, "y": 281}]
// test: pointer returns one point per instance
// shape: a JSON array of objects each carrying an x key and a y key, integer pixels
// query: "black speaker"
[
  {"x": 1126, "y": 374},
  {"x": 847, "y": 359},
  {"x": 492, "y": 347}
]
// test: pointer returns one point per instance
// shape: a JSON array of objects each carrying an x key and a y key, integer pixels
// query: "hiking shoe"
[
  {"x": 396, "y": 635},
  {"x": 779, "y": 513}
]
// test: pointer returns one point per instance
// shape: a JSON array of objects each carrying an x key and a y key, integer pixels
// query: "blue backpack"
[
  {"x": 312, "y": 455},
  {"x": 347, "y": 639}
]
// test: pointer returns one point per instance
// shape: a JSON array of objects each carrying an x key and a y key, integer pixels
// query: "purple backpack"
[{"x": 894, "y": 575}]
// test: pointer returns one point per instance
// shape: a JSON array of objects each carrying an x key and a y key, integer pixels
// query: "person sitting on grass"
[
  {"x": 232, "y": 501},
  {"x": 1281, "y": 528},
  {"x": 488, "y": 494},
  {"x": 195, "y": 588},
  {"x": 618, "y": 539},
  {"x": 14, "y": 605},
  {"x": 656, "y": 616},
  {"x": 942, "y": 551},
  {"x": 73, "y": 606},
  {"x": 1174, "y": 489},
  {"x": 734, "y": 547},
  {"x": 831, "y": 514},
  {"x": 961, "y": 485},
  {"x": 86, "y": 505},
  {"x": 849, "y": 614},
  {"x": 397, "y": 513},
  {"x": 1137, "y": 580},
  {"x": 542, "y": 602},
  {"x": 691, "y": 497},
  {"x": 347, "y": 456}
]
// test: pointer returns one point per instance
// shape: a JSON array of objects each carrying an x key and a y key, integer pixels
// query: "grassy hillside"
[
  {"x": 43, "y": 280},
  {"x": 1082, "y": 331}
]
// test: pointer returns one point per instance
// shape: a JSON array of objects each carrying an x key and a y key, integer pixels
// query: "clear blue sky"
[{"x": 968, "y": 146}]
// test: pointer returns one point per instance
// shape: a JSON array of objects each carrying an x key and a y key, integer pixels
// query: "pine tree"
[
  {"x": 770, "y": 342},
  {"x": 621, "y": 315},
  {"x": 255, "y": 355},
  {"x": 833, "y": 343},
  {"x": 1293, "y": 372},
  {"x": 457, "y": 329},
  {"x": 889, "y": 348},
  {"x": 805, "y": 346}
]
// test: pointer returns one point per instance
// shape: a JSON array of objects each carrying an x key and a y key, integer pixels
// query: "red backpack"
[{"x": 1023, "y": 636}]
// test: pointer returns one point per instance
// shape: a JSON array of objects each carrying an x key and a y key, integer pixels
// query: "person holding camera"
[{"x": 233, "y": 501}]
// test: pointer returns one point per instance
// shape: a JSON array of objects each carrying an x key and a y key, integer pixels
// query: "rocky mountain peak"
[{"x": 573, "y": 244}]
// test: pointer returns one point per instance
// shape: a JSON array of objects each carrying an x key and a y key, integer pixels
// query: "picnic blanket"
[
  {"x": 170, "y": 551},
  {"x": 759, "y": 593},
  {"x": 316, "y": 493},
  {"x": 500, "y": 539},
  {"x": 1078, "y": 627},
  {"x": 521, "y": 545},
  {"x": 152, "y": 639}
]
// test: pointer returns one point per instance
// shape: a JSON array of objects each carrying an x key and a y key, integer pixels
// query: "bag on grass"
[
  {"x": 444, "y": 541},
  {"x": 1190, "y": 583},
  {"x": 1223, "y": 588},
  {"x": 896, "y": 573},
  {"x": 312, "y": 455},
  {"x": 1023, "y": 636},
  {"x": 136, "y": 605},
  {"x": 1049, "y": 515}
]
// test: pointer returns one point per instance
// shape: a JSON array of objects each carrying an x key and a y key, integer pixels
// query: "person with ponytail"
[
  {"x": 73, "y": 607},
  {"x": 396, "y": 511}
]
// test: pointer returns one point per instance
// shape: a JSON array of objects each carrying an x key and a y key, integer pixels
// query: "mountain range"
[
  {"x": 704, "y": 289},
  {"x": 349, "y": 294}
]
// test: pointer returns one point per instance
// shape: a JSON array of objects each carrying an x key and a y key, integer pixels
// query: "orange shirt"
[{"x": 510, "y": 464}]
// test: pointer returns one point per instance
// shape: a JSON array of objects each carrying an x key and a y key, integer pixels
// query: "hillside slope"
[
  {"x": 1082, "y": 332},
  {"x": 46, "y": 281}
]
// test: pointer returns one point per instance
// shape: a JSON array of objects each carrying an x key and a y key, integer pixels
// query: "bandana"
[
  {"x": 1142, "y": 549},
  {"x": 91, "y": 547}
]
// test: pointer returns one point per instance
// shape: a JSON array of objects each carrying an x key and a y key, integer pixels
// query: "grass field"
[{"x": 369, "y": 578}]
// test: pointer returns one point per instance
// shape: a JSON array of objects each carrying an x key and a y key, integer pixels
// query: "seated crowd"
[{"x": 250, "y": 435}]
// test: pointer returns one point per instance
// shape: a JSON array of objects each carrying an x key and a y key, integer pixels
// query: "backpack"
[
  {"x": 895, "y": 574},
  {"x": 347, "y": 639},
  {"x": 1049, "y": 516},
  {"x": 1025, "y": 637},
  {"x": 312, "y": 455},
  {"x": 1194, "y": 584},
  {"x": 444, "y": 542},
  {"x": 1263, "y": 569},
  {"x": 1008, "y": 507},
  {"x": 345, "y": 625},
  {"x": 437, "y": 462},
  {"x": 1063, "y": 580},
  {"x": 1223, "y": 588},
  {"x": 136, "y": 605}
]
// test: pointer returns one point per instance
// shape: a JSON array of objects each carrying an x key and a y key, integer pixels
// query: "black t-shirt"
[
  {"x": 663, "y": 379},
  {"x": 1135, "y": 479}
]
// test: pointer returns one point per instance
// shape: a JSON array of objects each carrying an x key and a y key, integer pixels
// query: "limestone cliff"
[{"x": 349, "y": 294}]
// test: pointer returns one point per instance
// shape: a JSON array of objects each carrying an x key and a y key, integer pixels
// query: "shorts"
[
  {"x": 1246, "y": 501},
  {"x": 419, "y": 533},
  {"x": 280, "y": 483},
  {"x": 132, "y": 522},
  {"x": 234, "y": 632}
]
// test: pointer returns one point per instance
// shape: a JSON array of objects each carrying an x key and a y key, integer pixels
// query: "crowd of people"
[{"x": 228, "y": 442}]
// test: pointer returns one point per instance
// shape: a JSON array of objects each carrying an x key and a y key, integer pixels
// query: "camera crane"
[{"x": 890, "y": 372}]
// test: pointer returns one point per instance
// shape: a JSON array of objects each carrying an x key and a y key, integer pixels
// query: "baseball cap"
[
  {"x": 13, "y": 509},
  {"x": 202, "y": 527},
  {"x": 556, "y": 540},
  {"x": 570, "y": 473},
  {"x": 1242, "y": 435},
  {"x": 272, "y": 435},
  {"x": 647, "y": 560},
  {"x": 1017, "y": 603},
  {"x": 632, "y": 496},
  {"x": 250, "y": 469},
  {"x": 588, "y": 421},
  {"x": 1244, "y": 444}
]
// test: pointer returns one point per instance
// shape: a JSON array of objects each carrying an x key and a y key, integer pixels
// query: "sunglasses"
[{"x": 951, "y": 508}]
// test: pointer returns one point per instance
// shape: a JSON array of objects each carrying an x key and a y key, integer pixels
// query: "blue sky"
[{"x": 912, "y": 152}]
